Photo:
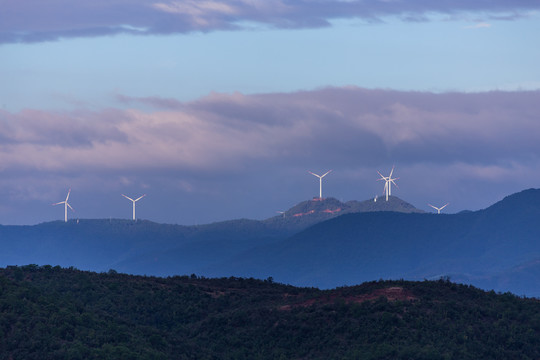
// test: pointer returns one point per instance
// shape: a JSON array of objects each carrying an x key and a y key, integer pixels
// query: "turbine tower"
[
  {"x": 320, "y": 181},
  {"x": 438, "y": 209},
  {"x": 388, "y": 183},
  {"x": 66, "y": 205},
  {"x": 134, "y": 201}
]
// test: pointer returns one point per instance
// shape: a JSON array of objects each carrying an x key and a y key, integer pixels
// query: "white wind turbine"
[
  {"x": 66, "y": 205},
  {"x": 134, "y": 201},
  {"x": 320, "y": 181},
  {"x": 388, "y": 183},
  {"x": 439, "y": 209}
]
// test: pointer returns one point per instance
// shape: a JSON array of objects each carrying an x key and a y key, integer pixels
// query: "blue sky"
[
  {"x": 438, "y": 55},
  {"x": 217, "y": 110}
]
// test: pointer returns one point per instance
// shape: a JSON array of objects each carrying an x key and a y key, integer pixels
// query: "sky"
[{"x": 217, "y": 110}]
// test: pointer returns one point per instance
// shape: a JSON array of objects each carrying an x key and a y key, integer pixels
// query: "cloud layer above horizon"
[
  {"x": 36, "y": 21},
  {"x": 440, "y": 142}
]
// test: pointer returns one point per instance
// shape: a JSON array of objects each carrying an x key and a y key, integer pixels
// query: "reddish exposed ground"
[
  {"x": 392, "y": 294},
  {"x": 306, "y": 213},
  {"x": 332, "y": 211}
]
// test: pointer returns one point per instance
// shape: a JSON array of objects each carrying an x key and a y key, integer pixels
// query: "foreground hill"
[{"x": 54, "y": 313}]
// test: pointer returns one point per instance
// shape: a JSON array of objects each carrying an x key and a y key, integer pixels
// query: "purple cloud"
[
  {"x": 34, "y": 20},
  {"x": 228, "y": 129},
  {"x": 237, "y": 151}
]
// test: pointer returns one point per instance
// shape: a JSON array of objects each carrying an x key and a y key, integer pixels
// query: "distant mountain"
[
  {"x": 54, "y": 313},
  {"x": 481, "y": 247},
  {"x": 313, "y": 211},
  {"x": 144, "y": 247},
  {"x": 323, "y": 243},
  {"x": 209, "y": 246}
]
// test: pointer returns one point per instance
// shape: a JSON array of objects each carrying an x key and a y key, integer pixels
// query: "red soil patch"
[{"x": 332, "y": 211}]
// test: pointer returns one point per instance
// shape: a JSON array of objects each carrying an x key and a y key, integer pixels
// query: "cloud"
[
  {"x": 237, "y": 151},
  {"x": 227, "y": 130},
  {"x": 35, "y": 20}
]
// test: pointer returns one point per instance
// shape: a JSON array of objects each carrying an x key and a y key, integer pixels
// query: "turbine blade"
[
  {"x": 67, "y": 197},
  {"x": 445, "y": 206},
  {"x": 432, "y": 206},
  {"x": 70, "y": 207},
  {"x": 392, "y": 171},
  {"x": 326, "y": 173},
  {"x": 58, "y": 203},
  {"x": 140, "y": 197},
  {"x": 127, "y": 197},
  {"x": 314, "y": 174}
]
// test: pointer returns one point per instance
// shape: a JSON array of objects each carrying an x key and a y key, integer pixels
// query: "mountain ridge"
[{"x": 321, "y": 248}]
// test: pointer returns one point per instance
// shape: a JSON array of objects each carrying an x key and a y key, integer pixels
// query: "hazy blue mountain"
[
  {"x": 313, "y": 211},
  {"x": 324, "y": 243},
  {"x": 144, "y": 247},
  {"x": 486, "y": 247},
  {"x": 209, "y": 246}
]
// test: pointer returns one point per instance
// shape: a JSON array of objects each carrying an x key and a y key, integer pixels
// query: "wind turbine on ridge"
[
  {"x": 388, "y": 182},
  {"x": 66, "y": 205},
  {"x": 439, "y": 209},
  {"x": 134, "y": 201},
  {"x": 320, "y": 181}
]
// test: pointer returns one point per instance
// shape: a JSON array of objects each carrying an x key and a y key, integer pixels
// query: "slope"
[
  {"x": 366, "y": 246},
  {"x": 54, "y": 313}
]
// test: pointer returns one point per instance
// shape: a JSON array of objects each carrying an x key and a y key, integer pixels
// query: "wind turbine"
[
  {"x": 438, "y": 209},
  {"x": 66, "y": 205},
  {"x": 388, "y": 183},
  {"x": 134, "y": 201},
  {"x": 320, "y": 181}
]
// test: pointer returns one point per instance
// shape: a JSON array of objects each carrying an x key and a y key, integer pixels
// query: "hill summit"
[{"x": 310, "y": 212}]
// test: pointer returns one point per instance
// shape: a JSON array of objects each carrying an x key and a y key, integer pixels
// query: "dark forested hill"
[{"x": 53, "y": 313}]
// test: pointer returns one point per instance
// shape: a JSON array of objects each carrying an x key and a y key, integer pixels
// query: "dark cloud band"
[{"x": 36, "y": 20}]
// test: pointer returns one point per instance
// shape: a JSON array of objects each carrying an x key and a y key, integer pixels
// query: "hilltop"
[
  {"x": 310, "y": 212},
  {"x": 51, "y": 313}
]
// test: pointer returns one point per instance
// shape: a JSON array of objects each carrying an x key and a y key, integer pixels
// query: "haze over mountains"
[{"x": 322, "y": 243}]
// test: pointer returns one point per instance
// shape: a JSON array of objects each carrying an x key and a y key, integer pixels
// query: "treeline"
[{"x": 54, "y": 313}]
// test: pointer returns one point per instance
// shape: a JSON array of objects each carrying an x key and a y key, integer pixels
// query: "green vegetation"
[{"x": 53, "y": 313}]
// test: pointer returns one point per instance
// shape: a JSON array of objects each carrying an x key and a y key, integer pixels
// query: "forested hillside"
[{"x": 54, "y": 313}]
